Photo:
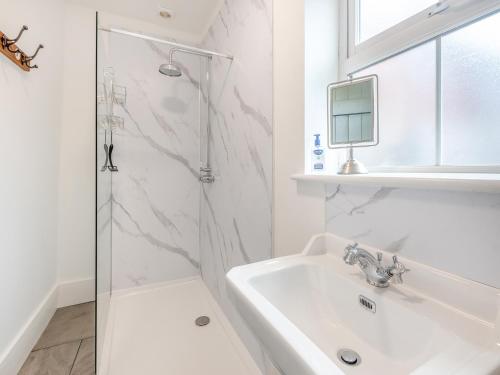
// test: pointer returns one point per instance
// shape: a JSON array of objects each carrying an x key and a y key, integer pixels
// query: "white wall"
[
  {"x": 299, "y": 210},
  {"x": 76, "y": 239},
  {"x": 29, "y": 143}
]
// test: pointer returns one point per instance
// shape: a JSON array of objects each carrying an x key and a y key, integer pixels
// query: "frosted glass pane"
[
  {"x": 104, "y": 206},
  {"x": 355, "y": 128},
  {"x": 407, "y": 110},
  {"x": 366, "y": 127},
  {"x": 341, "y": 129},
  {"x": 471, "y": 94},
  {"x": 376, "y": 16}
]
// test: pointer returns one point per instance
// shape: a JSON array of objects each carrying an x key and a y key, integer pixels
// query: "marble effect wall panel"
[
  {"x": 236, "y": 226},
  {"x": 453, "y": 231},
  {"x": 156, "y": 193}
]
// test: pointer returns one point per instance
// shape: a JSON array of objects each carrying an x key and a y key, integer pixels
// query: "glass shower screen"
[
  {"x": 104, "y": 173},
  {"x": 149, "y": 128}
]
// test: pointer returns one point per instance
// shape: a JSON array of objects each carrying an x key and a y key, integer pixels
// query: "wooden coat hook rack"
[{"x": 9, "y": 48}]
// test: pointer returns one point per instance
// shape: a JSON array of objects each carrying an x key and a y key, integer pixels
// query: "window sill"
[{"x": 470, "y": 182}]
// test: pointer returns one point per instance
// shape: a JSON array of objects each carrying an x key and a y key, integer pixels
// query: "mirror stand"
[
  {"x": 352, "y": 166},
  {"x": 353, "y": 118}
]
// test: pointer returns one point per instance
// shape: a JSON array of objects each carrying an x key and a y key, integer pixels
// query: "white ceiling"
[{"x": 189, "y": 16}]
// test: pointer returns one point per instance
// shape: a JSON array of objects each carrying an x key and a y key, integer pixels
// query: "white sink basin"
[{"x": 305, "y": 308}]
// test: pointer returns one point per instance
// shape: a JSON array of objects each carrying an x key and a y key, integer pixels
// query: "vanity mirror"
[{"x": 353, "y": 118}]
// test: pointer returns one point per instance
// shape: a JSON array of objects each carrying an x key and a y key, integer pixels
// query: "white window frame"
[
  {"x": 416, "y": 30},
  {"x": 408, "y": 34}
]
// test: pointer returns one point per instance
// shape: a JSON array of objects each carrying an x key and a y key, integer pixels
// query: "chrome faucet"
[{"x": 376, "y": 274}]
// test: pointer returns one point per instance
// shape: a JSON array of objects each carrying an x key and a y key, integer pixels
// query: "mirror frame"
[{"x": 374, "y": 79}]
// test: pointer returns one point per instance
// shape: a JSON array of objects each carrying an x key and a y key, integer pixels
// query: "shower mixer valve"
[{"x": 206, "y": 176}]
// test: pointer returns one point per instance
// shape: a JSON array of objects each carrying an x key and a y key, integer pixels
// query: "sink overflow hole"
[
  {"x": 349, "y": 357},
  {"x": 202, "y": 321},
  {"x": 367, "y": 303}
]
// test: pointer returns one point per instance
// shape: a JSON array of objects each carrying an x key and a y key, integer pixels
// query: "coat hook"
[
  {"x": 9, "y": 42},
  {"x": 27, "y": 59},
  {"x": 31, "y": 66}
]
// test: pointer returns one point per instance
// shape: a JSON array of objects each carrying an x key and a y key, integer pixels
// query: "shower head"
[
  {"x": 173, "y": 70},
  {"x": 170, "y": 70}
]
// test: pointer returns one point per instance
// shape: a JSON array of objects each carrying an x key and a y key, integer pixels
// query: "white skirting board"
[
  {"x": 76, "y": 292},
  {"x": 63, "y": 294},
  {"x": 13, "y": 357}
]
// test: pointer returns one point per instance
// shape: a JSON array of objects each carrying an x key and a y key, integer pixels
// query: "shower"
[
  {"x": 159, "y": 218},
  {"x": 171, "y": 69}
]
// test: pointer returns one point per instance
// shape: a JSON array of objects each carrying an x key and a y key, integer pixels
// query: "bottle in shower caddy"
[{"x": 318, "y": 155}]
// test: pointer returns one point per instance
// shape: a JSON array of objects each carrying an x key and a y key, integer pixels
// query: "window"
[
  {"x": 439, "y": 101},
  {"x": 407, "y": 110},
  {"x": 470, "y": 69},
  {"x": 373, "y": 18},
  {"x": 378, "y": 29}
]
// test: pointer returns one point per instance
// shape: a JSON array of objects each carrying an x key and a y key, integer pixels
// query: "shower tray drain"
[
  {"x": 202, "y": 321},
  {"x": 349, "y": 357}
]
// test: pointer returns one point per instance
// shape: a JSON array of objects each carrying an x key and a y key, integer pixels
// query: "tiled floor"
[{"x": 67, "y": 345}]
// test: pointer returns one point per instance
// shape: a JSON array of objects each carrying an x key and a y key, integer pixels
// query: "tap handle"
[
  {"x": 397, "y": 271},
  {"x": 379, "y": 257},
  {"x": 352, "y": 247},
  {"x": 398, "y": 268}
]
